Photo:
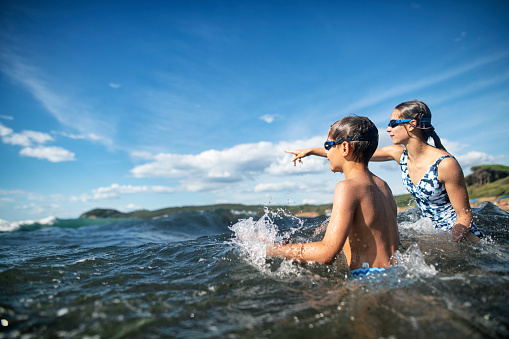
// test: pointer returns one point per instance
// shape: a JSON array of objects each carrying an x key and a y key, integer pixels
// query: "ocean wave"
[
  {"x": 11, "y": 226},
  {"x": 133, "y": 277}
]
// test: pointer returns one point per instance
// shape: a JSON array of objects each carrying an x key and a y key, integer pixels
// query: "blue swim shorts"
[{"x": 364, "y": 271}]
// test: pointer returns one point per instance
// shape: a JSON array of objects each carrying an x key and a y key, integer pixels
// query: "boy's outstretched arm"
[{"x": 326, "y": 250}]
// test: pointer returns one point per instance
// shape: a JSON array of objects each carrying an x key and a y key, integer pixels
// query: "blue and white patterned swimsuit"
[{"x": 431, "y": 196}]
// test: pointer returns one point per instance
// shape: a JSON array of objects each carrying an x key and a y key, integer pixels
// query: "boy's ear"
[{"x": 345, "y": 148}]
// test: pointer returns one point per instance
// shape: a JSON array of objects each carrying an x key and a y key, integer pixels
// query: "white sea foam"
[
  {"x": 85, "y": 259},
  {"x": 11, "y": 226},
  {"x": 422, "y": 225},
  {"x": 413, "y": 263},
  {"x": 236, "y": 212}
]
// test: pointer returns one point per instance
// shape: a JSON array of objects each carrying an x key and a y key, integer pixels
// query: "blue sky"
[{"x": 152, "y": 104}]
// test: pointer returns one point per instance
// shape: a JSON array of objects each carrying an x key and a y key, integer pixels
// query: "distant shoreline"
[{"x": 304, "y": 211}]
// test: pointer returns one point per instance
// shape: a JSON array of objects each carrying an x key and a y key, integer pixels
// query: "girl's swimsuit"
[{"x": 431, "y": 196}]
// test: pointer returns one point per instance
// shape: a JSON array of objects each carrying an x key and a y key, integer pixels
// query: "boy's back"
[{"x": 373, "y": 236}]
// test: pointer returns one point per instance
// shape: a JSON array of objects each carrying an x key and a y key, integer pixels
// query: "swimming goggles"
[
  {"x": 370, "y": 136},
  {"x": 394, "y": 123}
]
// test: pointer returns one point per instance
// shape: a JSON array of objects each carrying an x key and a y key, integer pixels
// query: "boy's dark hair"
[
  {"x": 418, "y": 110},
  {"x": 352, "y": 127}
]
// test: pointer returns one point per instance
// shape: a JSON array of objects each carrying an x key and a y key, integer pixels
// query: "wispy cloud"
[
  {"x": 114, "y": 85},
  {"x": 89, "y": 136},
  {"x": 473, "y": 87},
  {"x": 6, "y": 117},
  {"x": 75, "y": 115},
  {"x": 399, "y": 90},
  {"x": 461, "y": 36}
]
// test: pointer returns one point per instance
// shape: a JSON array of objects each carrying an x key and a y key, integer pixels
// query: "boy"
[{"x": 363, "y": 221}]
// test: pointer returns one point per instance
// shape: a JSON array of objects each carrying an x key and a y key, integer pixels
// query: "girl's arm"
[
  {"x": 301, "y": 153},
  {"x": 388, "y": 153},
  {"x": 451, "y": 175}
]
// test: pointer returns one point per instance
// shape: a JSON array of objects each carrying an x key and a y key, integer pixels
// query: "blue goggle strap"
[
  {"x": 397, "y": 122},
  {"x": 364, "y": 137}
]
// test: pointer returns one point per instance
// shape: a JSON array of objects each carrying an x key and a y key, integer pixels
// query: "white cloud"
[
  {"x": 308, "y": 202},
  {"x": 27, "y": 140},
  {"x": 213, "y": 169},
  {"x": 131, "y": 207},
  {"x": 142, "y": 155},
  {"x": 285, "y": 186},
  {"x": 227, "y": 165},
  {"x": 5, "y": 131},
  {"x": 6, "y": 117},
  {"x": 53, "y": 153},
  {"x": 115, "y": 190},
  {"x": 268, "y": 118},
  {"x": 475, "y": 158},
  {"x": 452, "y": 147},
  {"x": 284, "y": 166},
  {"x": 11, "y": 192},
  {"x": 6, "y": 200},
  {"x": 114, "y": 85}
]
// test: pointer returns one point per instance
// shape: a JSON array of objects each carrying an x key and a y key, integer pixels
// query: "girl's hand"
[{"x": 298, "y": 155}]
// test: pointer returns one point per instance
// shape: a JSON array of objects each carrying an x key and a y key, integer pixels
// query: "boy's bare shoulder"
[
  {"x": 352, "y": 188},
  {"x": 347, "y": 188},
  {"x": 348, "y": 184},
  {"x": 380, "y": 182}
]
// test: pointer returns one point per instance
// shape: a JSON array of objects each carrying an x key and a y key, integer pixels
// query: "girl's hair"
[
  {"x": 418, "y": 110},
  {"x": 355, "y": 127}
]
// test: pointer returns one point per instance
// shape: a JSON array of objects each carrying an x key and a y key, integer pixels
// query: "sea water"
[{"x": 205, "y": 275}]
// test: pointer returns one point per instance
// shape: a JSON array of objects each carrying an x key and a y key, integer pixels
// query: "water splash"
[
  {"x": 412, "y": 263},
  {"x": 254, "y": 237}
]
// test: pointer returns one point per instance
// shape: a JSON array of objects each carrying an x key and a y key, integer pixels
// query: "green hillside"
[
  {"x": 259, "y": 209},
  {"x": 493, "y": 189},
  {"x": 488, "y": 181}
]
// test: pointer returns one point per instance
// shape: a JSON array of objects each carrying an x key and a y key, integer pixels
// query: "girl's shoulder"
[
  {"x": 445, "y": 158},
  {"x": 433, "y": 154},
  {"x": 449, "y": 168}
]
